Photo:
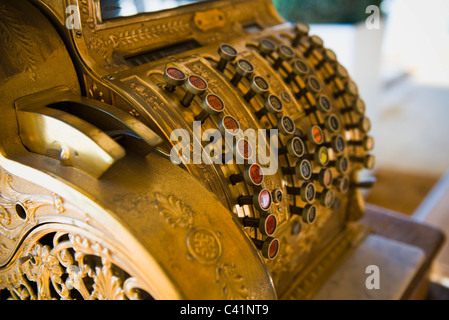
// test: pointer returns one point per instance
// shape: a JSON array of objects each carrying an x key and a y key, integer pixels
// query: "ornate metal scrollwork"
[{"x": 67, "y": 265}]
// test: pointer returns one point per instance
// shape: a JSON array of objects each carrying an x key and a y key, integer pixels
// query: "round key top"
[
  {"x": 350, "y": 89},
  {"x": 299, "y": 68},
  {"x": 308, "y": 213},
  {"x": 269, "y": 248},
  {"x": 285, "y": 53},
  {"x": 302, "y": 169},
  {"x": 308, "y": 192},
  {"x": 324, "y": 177},
  {"x": 267, "y": 223},
  {"x": 228, "y": 125},
  {"x": 295, "y": 147},
  {"x": 273, "y": 104},
  {"x": 358, "y": 106},
  {"x": 367, "y": 143},
  {"x": 173, "y": 77},
  {"x": 195, "y": 85},
  {"x": 315, "y": 135},
  {"x": 328, "y": 56},
  {"x": 315, "y": 43},
  {"x": 243, "y": 69},
  {"x": 327, "y": 197},
  {"x": 212, "y": 105},
  {"x": 340, "y": 72},
  {"x": 338, "y": 144},
  {"x": 324, "y": 104},
  {"x": 286, "y": 125},
  {"x": 301, "y": 30},
  {"x": 342, "y": 183},
  {"x": 242, "y": 150},
  {"x": 264, "y": 200},
  {"x": 313, "y": 84},
  {"x": 364, "y": 125},
  {"x": 266, "y": 47},
  {"x": 252, "y": 175},
  {"x": 277, "y": 195},
  {"x": 227, "y": 54},
  {"x": 258, "y": 86},
  {"x": 321, "y": 156},
  {"x": 332, "y": 123},
  {"x": 261, "y": 200},
  {"x": 341, "y": 164}
]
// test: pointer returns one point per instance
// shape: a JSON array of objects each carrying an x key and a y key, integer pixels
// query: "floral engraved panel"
[
  {"x": 103, "y": 42},
  {"x": 233, "y": 284},
  {"x": 72, "y": 267},
  {"x": 203, "y": 245},
  {"x": 134, "y": 36},
  {"x": 19, "y": 212},
  {"x": 107, "y": 285},
  {"x": 174, "y": 211},
  {"x": 16, "y": 40}
]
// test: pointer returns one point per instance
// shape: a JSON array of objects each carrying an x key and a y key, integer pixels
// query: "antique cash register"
[{"x": 208, "y": 150}]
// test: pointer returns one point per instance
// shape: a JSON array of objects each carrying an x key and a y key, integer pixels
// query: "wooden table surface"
[{"x": 402, "y": 228}]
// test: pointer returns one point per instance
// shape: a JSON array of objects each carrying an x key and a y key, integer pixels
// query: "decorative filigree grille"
[{"x": 63, "y": 265}]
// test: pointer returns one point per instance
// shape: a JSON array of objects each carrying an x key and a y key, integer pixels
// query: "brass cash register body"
[{"x": 92, "y": 207}]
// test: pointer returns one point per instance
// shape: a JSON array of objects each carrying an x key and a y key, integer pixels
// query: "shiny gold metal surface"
[
  {"x": 46, "y": 128},
  {"x": 90, "y": 205}
]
